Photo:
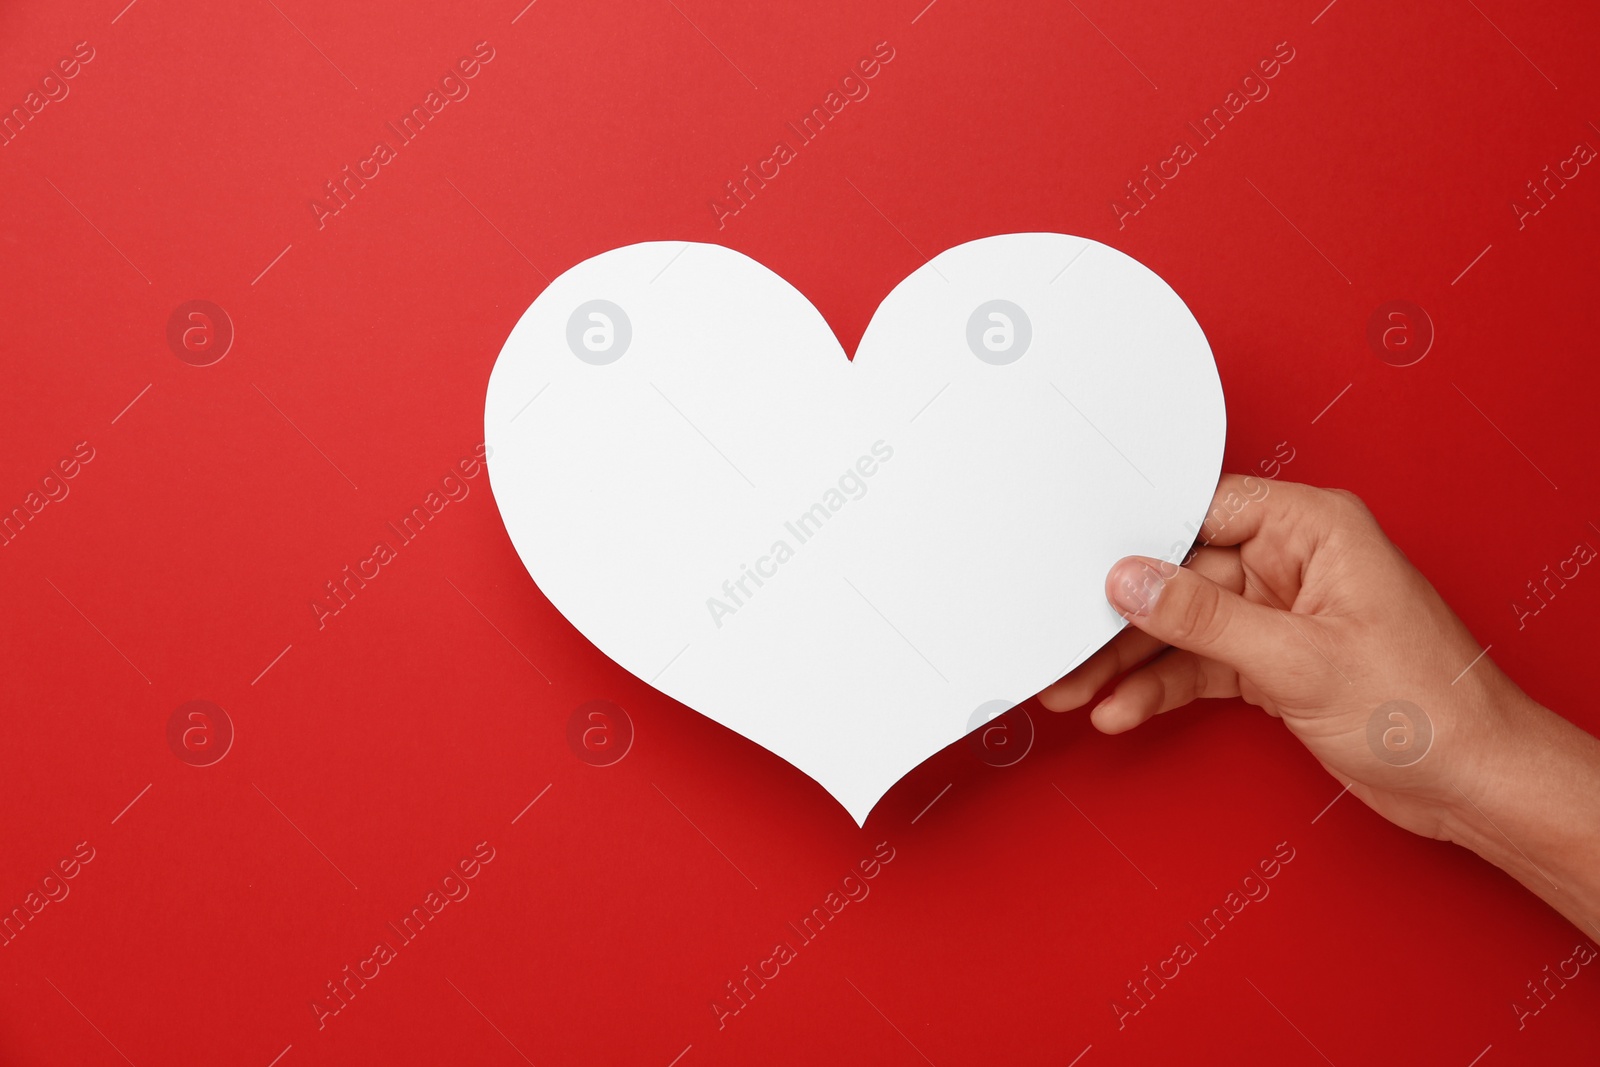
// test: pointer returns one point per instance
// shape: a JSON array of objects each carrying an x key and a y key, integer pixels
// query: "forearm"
[{"x": 1532, "y": 808}]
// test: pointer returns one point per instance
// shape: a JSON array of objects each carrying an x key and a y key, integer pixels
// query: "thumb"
[{"x": 1189, "y": 611}]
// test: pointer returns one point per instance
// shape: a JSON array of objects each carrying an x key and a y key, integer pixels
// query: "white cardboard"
[{"x": 650, "y": 452}]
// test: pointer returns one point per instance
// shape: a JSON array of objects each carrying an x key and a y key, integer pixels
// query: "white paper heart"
[{"x": 842, "y": 561}]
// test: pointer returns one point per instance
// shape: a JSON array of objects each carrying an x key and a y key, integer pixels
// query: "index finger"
[{"x": 1247, "y": 506}]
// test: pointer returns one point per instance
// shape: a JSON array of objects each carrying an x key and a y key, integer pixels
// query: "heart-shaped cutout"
[{"x": 846, "y": 562}]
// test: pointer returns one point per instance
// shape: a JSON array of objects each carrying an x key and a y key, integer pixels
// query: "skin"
[{"x": 1296, "y": 602}]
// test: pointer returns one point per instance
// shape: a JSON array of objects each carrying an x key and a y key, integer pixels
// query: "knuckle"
[
  {"x": 1199, "y": 614},
  {"x": 1349, "y": 503},
  {"x": 1163, "y": 690}
]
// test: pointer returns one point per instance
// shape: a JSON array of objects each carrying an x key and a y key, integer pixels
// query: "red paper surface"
[{"x": 373, "y": 753}]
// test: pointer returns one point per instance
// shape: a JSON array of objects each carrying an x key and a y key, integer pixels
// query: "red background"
[{"x": 377, "y": 751}]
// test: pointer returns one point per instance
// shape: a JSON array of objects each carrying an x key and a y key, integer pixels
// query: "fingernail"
[{"x": 1134, "y": 586}]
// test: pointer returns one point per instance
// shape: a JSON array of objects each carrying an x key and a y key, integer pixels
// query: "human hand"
[{"x": 1297, "y": 602}]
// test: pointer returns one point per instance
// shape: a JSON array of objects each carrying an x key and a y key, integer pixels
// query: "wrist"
[
  {"x": 1526, "y": 797},
  {"x": 1488, "y": 780}
]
